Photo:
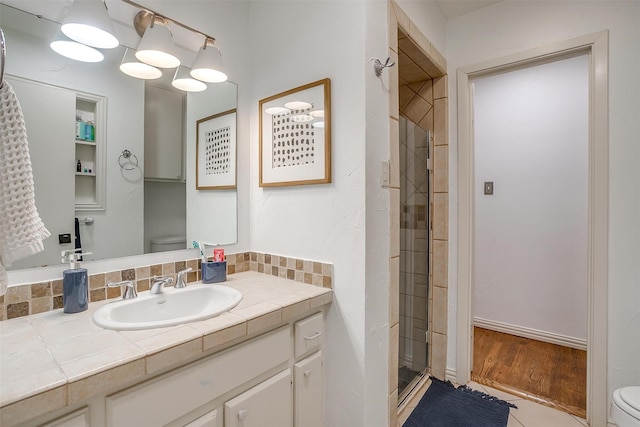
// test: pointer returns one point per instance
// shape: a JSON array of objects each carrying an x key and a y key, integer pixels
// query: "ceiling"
[{"x": 454, "y": 8}]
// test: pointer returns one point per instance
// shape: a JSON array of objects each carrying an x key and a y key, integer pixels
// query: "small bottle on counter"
[
  {"x": 75, "y": 284},
  {"x": 78, "y": 166}
]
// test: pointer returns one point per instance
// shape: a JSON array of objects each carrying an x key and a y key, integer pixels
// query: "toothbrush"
[{"x": 200, "y": 245}]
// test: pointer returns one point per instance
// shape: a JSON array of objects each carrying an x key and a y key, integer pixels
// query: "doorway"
[
  {"x": 595, "y": 47},
  {"x": 530, "y": 238}
]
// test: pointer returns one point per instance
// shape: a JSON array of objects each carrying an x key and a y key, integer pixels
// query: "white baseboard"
[
  {"x": 521, "y": 331},
  {"x": 451, "y": 375}
]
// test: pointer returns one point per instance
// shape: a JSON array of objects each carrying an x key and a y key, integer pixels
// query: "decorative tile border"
[{"x": 36, "y": 298}]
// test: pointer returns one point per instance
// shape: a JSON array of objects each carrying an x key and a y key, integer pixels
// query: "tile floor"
[{"x": 528, "y": 414}]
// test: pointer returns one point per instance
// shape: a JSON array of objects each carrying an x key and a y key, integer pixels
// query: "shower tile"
[
  {"x": 438, "y": 349},
  {"x": 394, "y": 154},
  {"x": 439, "y": 307},
  {"x": 394, "y": 344},
  {"x": 440, "y": 87},
  {"x": 427, "y": 121},
  {"x": 441, "y": 132},
  {"x": 416, "y": 109},
  {"x": 440, "y": 264},
  {"x": 440, "y": 216},
  {"x": 394, "y": 107},
  {"x": 441, "y": 169},
  {"x": 419, "y": 308},
  {"x": 394, "y": 290},
  {"x": 394, "y": 203}
]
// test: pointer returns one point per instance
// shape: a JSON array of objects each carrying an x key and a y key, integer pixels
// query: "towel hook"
[
  {"x": 378, "y": 66},
  {"x": 127, "y": 160}
]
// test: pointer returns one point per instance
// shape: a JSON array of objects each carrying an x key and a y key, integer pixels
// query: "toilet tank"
[{"x": 168, "y": 243}]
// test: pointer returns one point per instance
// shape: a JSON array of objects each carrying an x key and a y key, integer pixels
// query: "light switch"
[
  {"x": 385, "y": 177},
  {"x": 488, "y": 188}
]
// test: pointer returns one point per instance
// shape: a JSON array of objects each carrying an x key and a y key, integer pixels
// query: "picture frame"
[
  {"x": 295, "y": 136},
  {"x": 216, "y": 151}
]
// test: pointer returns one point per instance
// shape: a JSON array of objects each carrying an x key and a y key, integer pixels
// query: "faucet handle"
[
  {"x": 180, "y": 282},
  {"x": 129, "y": 291}
]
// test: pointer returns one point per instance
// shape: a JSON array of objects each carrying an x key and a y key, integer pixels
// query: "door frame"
[{"x": 597, "y": 46}]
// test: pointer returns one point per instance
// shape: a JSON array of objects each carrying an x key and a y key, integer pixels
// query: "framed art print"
[
  {"x": 216, "y": 152},
  {"x": 295, "y": 136}
]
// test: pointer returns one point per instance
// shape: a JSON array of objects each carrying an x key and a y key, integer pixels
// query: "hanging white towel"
[{"x": 21, "y": 229}]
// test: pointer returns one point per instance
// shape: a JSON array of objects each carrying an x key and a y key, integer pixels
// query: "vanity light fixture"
[
  {"x": 298, "y": 105},
  {"x": 156, "y": 45},
  {"x": 183, "y": 81},
  {"x": 301, "y": 118},
  {"x": 74, "y": 50},
  {"x": 208, "y": 64},
  {"x": 88, "y": 22},
  {"x": 134, "y": 68},
  {"x": 276, "y": 110}
]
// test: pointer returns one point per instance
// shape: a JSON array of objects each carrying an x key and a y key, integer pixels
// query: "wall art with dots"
[
  {"x": 295, "y": 136},
  {"x": 216, "y": 151}
]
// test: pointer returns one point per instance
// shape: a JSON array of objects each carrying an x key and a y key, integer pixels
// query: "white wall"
[
  {"x": 510, "y": 27},
  {"x": 530, "y": 243},
  {"x": 294, "y": 43}
]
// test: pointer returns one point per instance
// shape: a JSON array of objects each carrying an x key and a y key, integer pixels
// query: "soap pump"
[{"x": 75, "y": 283}]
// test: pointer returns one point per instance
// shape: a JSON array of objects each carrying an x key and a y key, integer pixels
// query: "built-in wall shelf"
[{"x": 90, "y": 151}]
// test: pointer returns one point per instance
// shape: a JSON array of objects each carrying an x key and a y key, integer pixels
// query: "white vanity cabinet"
[
  {"x": 275, "y": 379},
  {"x": 180, "y": 392},
  {"x": 308, "y": 385},
  {"x": 265, "y": 405},
  {"x": 78, "y": 418}
]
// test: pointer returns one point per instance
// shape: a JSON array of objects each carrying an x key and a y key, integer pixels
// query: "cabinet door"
[
  {"x": 266, "y": 405},
  {"x": 163, "y": 148},
  {"x": 308, "y": 382}
]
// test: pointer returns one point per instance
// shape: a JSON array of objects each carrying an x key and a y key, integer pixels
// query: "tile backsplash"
[{"x": 34, "y": 298}]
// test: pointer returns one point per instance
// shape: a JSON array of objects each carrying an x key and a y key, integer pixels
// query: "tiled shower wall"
[
  {"x": 34, "y": 298},
  {"x": 423, "y": 55}
]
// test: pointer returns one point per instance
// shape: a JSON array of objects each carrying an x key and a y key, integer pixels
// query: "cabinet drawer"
[
  {"x": 308, "y": 389},
  {"x": 78, "y": 418},
  {"x": 309, "y": 334},
  {"x": 266, "y": 405},
  {"x": 173, "y": 395}
]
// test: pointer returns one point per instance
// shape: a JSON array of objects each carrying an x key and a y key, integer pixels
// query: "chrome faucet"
[
  {"x": 129, "y": 290},
  {"x": 180, "y": 282},
  {"x": 158, "y": 283}
]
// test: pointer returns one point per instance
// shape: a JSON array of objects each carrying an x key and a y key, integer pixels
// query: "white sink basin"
[{"x": 172, "y": 307}]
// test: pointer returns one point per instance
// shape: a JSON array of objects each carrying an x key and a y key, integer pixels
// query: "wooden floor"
[{"x": 546, "y": 373}]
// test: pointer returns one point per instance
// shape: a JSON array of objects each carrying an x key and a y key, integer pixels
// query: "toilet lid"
[{"x": 631, "y": 396}]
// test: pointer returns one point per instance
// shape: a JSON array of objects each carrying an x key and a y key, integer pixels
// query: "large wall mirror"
[{"x": 138, "y": 194}]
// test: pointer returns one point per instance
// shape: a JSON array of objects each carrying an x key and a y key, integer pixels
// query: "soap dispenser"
[{"x": 75, "y": 284}]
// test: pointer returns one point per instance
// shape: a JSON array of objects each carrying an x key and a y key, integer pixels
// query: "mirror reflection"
[{"x": 82, "y": 120}]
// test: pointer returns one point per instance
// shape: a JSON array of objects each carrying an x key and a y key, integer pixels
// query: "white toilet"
[{"x": 625, "y": 407}]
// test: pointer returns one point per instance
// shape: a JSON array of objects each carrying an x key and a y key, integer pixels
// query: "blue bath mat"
[{"x": 444, "y": 405}]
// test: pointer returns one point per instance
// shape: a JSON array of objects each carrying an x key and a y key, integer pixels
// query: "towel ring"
[{"x": 127, "y": 160}]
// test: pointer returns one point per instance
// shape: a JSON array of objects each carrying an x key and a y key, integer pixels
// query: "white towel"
[{"x": 21, "y": 229}]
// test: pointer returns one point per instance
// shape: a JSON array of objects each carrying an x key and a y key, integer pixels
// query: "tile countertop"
[{"x": 68, "y": 353}]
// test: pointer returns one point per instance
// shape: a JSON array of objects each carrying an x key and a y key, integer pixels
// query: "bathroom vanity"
[{"x": 261, "y": 364}]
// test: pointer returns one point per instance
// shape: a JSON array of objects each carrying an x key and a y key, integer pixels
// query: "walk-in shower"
[{"x": 414, "y": 255}]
